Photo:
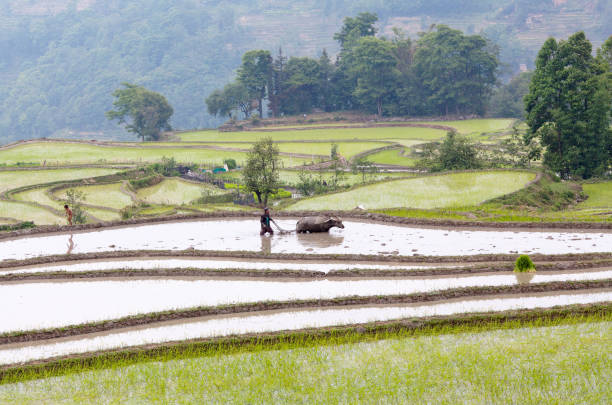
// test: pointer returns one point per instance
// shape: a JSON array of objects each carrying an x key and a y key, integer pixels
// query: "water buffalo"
[{"x": 317, "y": 224}]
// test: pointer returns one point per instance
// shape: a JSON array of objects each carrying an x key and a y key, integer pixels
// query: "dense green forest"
[{"x": 61, "y": 60}]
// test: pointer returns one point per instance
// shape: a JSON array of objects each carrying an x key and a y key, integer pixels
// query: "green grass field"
[
  {"x": 392, "y": 157},
  {"x": 534, "y": 365},
  {"x": 24, "y": 212},
  {"x": 375, "y": 133},
  {"x": 458, "y": 189},
  {"x": 600, "y": 195},
  {"x": 477, "y": 126},
  {"x": 105, "y": 195},
  {"x": 175, "y": 192},
  {"x": 21, "y": 178},
  {"x": 66, "y": 153},
  {"x": 346, "y": 149}
]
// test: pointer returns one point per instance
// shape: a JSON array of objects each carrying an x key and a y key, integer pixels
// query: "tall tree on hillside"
[
  {"x": 376, "y": 71},
  {"x": 234, "y": 96},
  {"x": 457, "y": 72},
  {"x": 302, "y": 85},
  {"x": 256, "y": 74},
  {"x": 354, "y": 28},
  {"x": 145, "y": 112},
  {"x": 326, "y": 73},
  {"x": 260, "y": 173},
  {"x": 277, "y": 84},
  {"x": 568, "y": 107}
]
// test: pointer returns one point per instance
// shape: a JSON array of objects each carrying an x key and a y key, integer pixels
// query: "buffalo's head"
[{"x": 335, "y": 221}]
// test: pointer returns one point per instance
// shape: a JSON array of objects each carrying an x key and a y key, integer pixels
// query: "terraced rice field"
[
  {"x": 12, "y": 179},
  {"x": 600, "y": 195},
  {"x": 451, "y": 190},
  {"x": 39, "y": 196},
  {"x": 456, "y": 368},
  {"x": 163, "y": 302},
  {"x": 176, "y": 192},
  {"x": 106, "y": 195},
  {"x": 25, "y": 212},
  {"x": 476, "y": 126},
  {"x": 338, "y": 134},
  {"x": 393, "y": 157},
  {"x": 83, "y": 153}
]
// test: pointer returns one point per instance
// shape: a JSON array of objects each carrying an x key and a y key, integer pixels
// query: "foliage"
[
  {"x": 74, "y": 199},
  {"x": 167, "y": 167},
  {"x": 512, "y": 151},
  {"x": 145, "y": 182},
  {"x": 545, "y": 194},
  {"x": 148, "y": 112},
  {"x": 507, "y": 100},
  {"x": 456, "y": 152},
  {"x": 233, "y": 97},
  {"x": 568, "y": 108},
  {"x": 334, "y": 151},
  {"x": 524, "y": 264},
  {"x": 364, "y": 167},
  {"x": 17, "y": 227},
  {"x": 260, "y": 172},
  {"x": 443, "y": 72},
  {"x": 231, "y": 163}
]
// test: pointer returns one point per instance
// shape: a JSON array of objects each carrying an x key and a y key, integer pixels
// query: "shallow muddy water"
[
  {"x": 356, "y": 238},
  {"x": 213, "y": 264},
  {"x": 278, "y": 320},
  {"x": 56, "y": 304}
]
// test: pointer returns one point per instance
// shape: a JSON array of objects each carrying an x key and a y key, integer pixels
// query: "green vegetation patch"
[
  {"x": 600, "y": 195},
  {"x": 176, "y": 192},
  {"x": 20, "y": 178},
  {"x": 565, "y": 363},
  {"x": 457, "y": 189},
  {"x": 545, "y": 194}
]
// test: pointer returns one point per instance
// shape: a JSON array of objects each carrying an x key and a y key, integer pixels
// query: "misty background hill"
[{"x": 60, "y": 60}]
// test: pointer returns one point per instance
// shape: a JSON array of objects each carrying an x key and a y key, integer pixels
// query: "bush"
[
  {"x": 16, "y": 227},
  {"x": 146, "y": 181},
  {"x": 231, "y": 163},
  {"x": 524, "y": 264},
  {"x": 75, "y": 199}
]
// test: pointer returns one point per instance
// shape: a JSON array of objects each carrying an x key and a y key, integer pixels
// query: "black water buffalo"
[{"x": 318, "y": 224}]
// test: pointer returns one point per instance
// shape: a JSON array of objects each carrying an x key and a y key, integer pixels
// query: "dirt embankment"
[
  {"x": 500, "y": 267},
  {"x": 344, "y": 258},
  {"x": 374, "y": 330},
  {"x": 451, "y": 294}
]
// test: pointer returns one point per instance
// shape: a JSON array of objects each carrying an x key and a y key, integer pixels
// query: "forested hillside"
[{"x": 62, "y": 59}]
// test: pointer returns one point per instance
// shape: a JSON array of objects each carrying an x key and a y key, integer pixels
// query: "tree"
[
  {"x": 568, "y": 108},
  {"x": 260, "y": 173},
  {"x": 148, "y": 112},
  {"x": 302, "y": 85},
  {"x": 457, "y": 72},
  {"x": 375, "y": 68},
  {"x": 234, "y": 96},
  {"x": 455, "y": 153},
  {"x": 355, "y": 28},
  {"x": 364, "y": 166},
  {"x": 507, "y": 101},
  {"x": 276, "y": 90},
  {"x": 255, "y": 74}
]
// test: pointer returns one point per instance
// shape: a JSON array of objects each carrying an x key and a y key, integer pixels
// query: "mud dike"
[{"x": 146, "y": 288}]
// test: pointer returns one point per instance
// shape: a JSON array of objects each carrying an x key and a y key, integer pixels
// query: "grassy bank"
[{"x": 442, "y": 364}]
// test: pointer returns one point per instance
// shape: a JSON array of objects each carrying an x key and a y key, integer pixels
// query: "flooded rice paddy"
[
  {"x": 43, "y": 305},
  {"x": 270, "y": 321},
  {"x": 356, "y": 238}
]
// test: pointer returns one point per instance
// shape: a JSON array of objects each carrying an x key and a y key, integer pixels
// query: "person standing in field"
[
  {"x": 68, "y": 214},
  {"x": 265, "y": 223}
]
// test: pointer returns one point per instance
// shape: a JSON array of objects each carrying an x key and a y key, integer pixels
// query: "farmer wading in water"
[{"x": 265, "y": 223}]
